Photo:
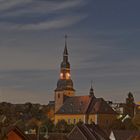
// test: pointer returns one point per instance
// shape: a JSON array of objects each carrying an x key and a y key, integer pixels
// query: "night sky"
[{"x": 103, "y": 44}]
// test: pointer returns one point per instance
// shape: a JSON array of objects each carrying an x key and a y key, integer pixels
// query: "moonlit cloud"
[
  {"x": 8, "y": 4},
  {"x": 18, "y": 10},
  {"x": 54, "y": 24}
]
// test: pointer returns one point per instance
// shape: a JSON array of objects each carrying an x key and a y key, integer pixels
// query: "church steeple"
[
  {"x": 65, "y": 84},
  {"x": 65, "y": 65},
  {"x": 91, "y": 92},
  {"x": 66, "y": 50},
  {"x": 65, "y": 53},
  {"x": 65, "y": 81}
]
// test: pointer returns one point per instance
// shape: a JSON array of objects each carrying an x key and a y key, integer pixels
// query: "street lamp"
[{"x": 46, "y": 133}]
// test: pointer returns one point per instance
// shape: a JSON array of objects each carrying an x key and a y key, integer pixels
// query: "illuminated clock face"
[
  {"x": 67, "y": 75},
  {"x": 61, "y": 75}
]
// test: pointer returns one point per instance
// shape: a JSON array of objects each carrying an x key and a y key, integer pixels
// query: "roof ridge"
[{"x": 90, "y": 105}]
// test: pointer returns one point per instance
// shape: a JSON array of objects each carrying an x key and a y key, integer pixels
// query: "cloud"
[
  {"x": 30, "y": 7},
  {"x": 54, "y": 24},
  {"x": 8, "y": 4},
  {"x": 39, "y": 14}
]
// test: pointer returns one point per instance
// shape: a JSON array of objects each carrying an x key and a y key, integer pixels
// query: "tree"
[
  {"x": 62, "y": 126},
  {"x": 49, "y": 124}
]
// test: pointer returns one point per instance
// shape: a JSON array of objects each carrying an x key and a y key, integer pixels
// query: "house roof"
[
  {"x": 126, "y": 134},
  {"x": 75, "y": 105},
  {"x": 100, "y": 106},
  {"x": 85, "y": 105},
  {"x": 18, "y": 132},
  {"x": 90, "y": 131}
]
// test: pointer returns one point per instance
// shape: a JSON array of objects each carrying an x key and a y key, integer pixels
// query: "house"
[
  {"x": 124, "y": 135},
  {"x": 14, "y": 133},
  {"x": 87, "y": 132}
]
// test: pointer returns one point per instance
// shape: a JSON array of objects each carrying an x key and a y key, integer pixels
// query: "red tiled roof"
[{"x": 18, "y": 132}]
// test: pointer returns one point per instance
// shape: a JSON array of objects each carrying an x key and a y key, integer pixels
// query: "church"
[{"x": 74, "y": 109}]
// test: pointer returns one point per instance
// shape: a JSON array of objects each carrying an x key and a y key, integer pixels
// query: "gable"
[
  {"x": 16, "y": 134},
  {"x": 76, "y": 134},
  {"x": 112, "y": 137},
  {"x": 100, "y": 106}
]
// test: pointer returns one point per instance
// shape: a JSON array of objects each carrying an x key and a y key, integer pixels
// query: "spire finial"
[
  {"x": 66, "y": 40},
  {"x": 65, "y": 50},
  {"x": 91, "y": 89},
  {"x": 91, "y": 83}
]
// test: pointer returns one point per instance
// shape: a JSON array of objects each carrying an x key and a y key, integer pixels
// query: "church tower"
[{"x": 65, "y": 84}]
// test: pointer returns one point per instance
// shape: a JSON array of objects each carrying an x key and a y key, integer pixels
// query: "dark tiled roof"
[
  {"x": 125, "y": 134},
  {"x": 75, "y": 105},
  {"x": 90, "y": 131},
  {"x": 85, "y": 105},
  {"x": 100, "y": 106}
]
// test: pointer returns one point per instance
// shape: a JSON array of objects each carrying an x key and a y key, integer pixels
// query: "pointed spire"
[
  {"x": 91, "y": 89},
  {"x": 65, "y": 50}
]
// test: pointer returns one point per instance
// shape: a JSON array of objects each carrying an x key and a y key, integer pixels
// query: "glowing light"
[
  {"x": 61, "y": 75},
  {"x": 67, "y": 75}
]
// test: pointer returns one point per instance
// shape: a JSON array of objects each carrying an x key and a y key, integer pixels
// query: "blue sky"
[{"x": 103, "y": 44}]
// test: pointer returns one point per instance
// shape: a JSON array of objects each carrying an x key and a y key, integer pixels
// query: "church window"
[{"x": 58, "y": 95}]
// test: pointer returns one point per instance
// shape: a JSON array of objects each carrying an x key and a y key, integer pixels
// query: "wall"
[
  {"x": 105, "y": 120},
  {"x": 70, "y": 118}
]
